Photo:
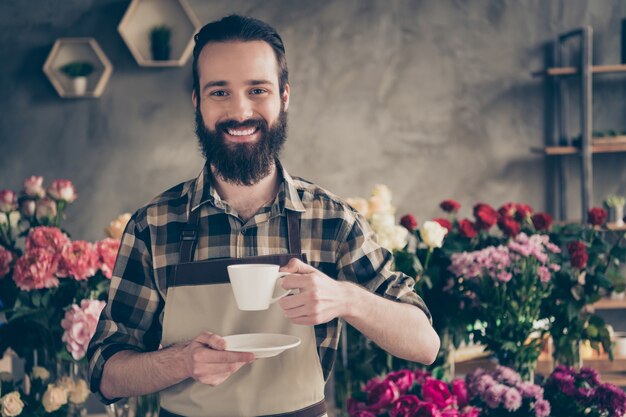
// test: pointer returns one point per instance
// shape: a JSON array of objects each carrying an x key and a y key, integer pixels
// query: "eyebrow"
[{"x": 223, "y": 83}]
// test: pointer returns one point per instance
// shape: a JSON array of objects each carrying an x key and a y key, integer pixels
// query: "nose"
[{"x": 240, "y": 108}]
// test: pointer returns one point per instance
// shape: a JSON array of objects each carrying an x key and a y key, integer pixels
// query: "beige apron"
[{"x": 200, "y": 298}]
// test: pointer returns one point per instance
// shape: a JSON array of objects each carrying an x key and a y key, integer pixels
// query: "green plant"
[
  {"x": 77, "y": 69},
  {"x": 160, "y": 35},
  {"x": 614, "y": 200}
]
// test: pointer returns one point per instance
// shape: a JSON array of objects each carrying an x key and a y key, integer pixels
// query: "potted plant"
[
  {"x": 615, "y": 203},
  {"x": 160, "y": 42},
  {"x": 78, "y": 71}
]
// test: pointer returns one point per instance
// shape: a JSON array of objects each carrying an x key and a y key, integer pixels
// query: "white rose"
[
  {"x": 117, "y": 226},
  {"x": 40, "y": 373},
  {"x": 432, "y": 234},
  {"x": 360, "y": 205},
  {"x": 384, "y": 240},
  {"x": 378, "y": 205},
  {"x": 80, "y": 392},
  {"x": 12, "y": 404},
  {"x": 54, "y": 398},
  {"x": 382, "y": 222},
  {"x": 399, "y": 237},
  {"x": 383, "y": 192}
]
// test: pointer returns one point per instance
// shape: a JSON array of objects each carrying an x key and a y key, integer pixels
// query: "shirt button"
[{"x": 243, "y": 231}]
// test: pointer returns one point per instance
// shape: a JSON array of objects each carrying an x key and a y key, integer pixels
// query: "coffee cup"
[{"x": 254, "y": 285}]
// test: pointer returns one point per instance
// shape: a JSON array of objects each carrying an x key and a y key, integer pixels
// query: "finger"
[
  {"x": 296, "y": 266},
  {"x": 214, "y": 341},
  {"x": 293, "y": 301},
  {"x": 297, "y": 312},
  {"x": 300, "y": 282}
]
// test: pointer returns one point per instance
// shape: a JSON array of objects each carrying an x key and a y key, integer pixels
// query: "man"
[{"x": 170, "y": 287}]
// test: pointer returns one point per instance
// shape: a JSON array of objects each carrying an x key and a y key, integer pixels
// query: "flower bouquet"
[
  {"x": 503, "y": 393},
  {"x": 46, "y": 277},
  {"x": 408, "y": 393},
  {"x": 580, "y": 393}
]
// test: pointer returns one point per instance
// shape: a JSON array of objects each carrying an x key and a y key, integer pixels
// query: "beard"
[{"x": 242, "y": 163}]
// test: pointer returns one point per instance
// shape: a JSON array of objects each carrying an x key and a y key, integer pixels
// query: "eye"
[
  {"x": 218, "y": 93},
  {"x": 257, "y": 91}
]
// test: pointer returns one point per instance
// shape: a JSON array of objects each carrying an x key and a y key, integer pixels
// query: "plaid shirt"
[{"x": 335, "y": 238}]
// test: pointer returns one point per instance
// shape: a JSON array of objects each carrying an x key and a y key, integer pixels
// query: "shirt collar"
[{"x": 202, "y": 191}]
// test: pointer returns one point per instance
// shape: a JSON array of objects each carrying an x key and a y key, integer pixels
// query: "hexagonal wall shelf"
[
  {"x": 68, "y": 50},
  {"x": 143, "y": 16}
]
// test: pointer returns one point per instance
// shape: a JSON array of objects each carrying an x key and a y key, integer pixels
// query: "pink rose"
[
  {"x": 36, "y": 270},
  {"x": 403, "y": 379},
  {"x": 382, "y": 396},
  {"x": 427, "y": 410},
  {"x": 45, "y": 209},
  {"x": 405, "y": 406},
  {"x": 421, "y": 376},
  {"x": 355, "y": 406},
  {"x": 79, "y": 260},
  {"x": 6, "y": 257},
  {"x": 450, "y": 412},
  {"x": 459, "y": 389},
  {"x": 62, "y": 190},
  {"x": 80, "y": 326},
  {"x": 436, "y": 391},
  {"x": 51, "y": 239},
  {"x": 107, "y": 252},
  {"x": 371, "y": 384},
  {"x": 33, "y": 187},
  {"x": 8, "y": 201}
]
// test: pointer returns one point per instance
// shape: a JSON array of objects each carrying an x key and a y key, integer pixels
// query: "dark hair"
[{"x": 240, "y": 28}]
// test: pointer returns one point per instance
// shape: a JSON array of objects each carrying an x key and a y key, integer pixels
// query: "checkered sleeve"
[
  {"x": 130, "y": 320},
  {"x": 365, "y": 262}
]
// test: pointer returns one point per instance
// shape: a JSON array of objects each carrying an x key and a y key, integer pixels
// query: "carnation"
[
  {"x": 596, "y": 216},
  {"x": 79, "y": 260},
  {"x": 542, "y": 408},
  {"x": 107, "y": 251},
  {"x": 450, "y": 206},
  {"x": 6, "y": 257},
  {"x": 62, "y": 190},
  {"x": 467, "y": 229},
  {"x": 541, "y": 221},
  {"x": 36, "y": 270},
  {"x": 444, "y": 223},
  {"x": 486, "y": 216},
  {"x": 509, "y": 226},
  {"x": 409, "y": 222},
  {"x": 403, "y": 379},
  {"x": 512, "y": 399}
]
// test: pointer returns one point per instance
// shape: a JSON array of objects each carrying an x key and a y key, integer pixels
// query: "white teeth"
[{"x": 241, "y": 132}]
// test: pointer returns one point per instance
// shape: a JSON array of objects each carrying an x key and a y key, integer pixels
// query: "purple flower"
[
  {"x": 482, "y": 384},
  {"x": 507, "y": 375},
  {"x": 612, "y": 399},
  {"x": 530, "y": 390},
  {"x": 564, "y": 383},
  {"x": 590, "y": 375},
  {"x": 563, "y": 369},
  {"x": 512, "y": 399},
  {"x": 542, "y": 408},
  {"x": 493, "y": 397}
]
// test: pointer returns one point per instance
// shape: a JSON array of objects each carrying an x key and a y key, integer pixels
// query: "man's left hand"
[{"x": 320, "y": 298}]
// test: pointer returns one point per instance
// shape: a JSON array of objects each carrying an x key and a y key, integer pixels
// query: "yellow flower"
[
  {"x": 117, "y": 226},
  {"x": 54, "y": 398},
  {"x": 11, "y": 404}
]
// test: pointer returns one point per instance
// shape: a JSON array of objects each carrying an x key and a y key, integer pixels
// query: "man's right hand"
[{"x": 209, "y": 363}]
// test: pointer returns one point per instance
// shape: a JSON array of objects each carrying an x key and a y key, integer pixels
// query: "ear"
[
  {"x": 285, "y": 97},
  {"x": 194, "y": 99}
]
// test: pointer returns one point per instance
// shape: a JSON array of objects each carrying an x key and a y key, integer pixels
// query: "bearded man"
[{"x": 170, "y": 301}]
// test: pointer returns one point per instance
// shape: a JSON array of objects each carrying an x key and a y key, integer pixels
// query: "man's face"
[{"x": 240, "y": 114}]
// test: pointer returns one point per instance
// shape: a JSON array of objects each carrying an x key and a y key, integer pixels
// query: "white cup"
[
  {"x": 254, "y": 285},
  {"x": 620, "y": 344}
]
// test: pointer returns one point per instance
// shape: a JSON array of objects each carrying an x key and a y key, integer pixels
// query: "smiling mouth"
[{"x": 243, "y": 134}]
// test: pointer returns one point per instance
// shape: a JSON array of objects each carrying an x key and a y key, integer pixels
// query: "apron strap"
[{"x": 293, "y": 232}]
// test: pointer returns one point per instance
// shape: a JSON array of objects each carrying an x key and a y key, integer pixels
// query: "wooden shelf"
[
  {"x": 573, "y": 150},
  {"x": 143, "y": 15},
  {"x": 66, "y": 50},
  {"x": 610, "y": 304},
  {"x": 565, "y": 71}
]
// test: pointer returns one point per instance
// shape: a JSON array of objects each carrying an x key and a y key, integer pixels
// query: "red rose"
[
  {"x": 522, "y": 211},
  {"x": 459, "y": 389},
  {"x": 579, "y": 259},
  {"x": 509, "y": 226},
  {"x": 596, "y": 216},
  {"x": 409, "y": 222},
  {"x": 437, "y": 392},
  {"x": 450, "y": 206},
  {"x": 427, "y": 410},
  {"x": 542, "y": 221},
  {"x": 421, "y": 376},
  {"x": 576, "y": 246},
  {"x": 382, "y": 396},
  {"x": 403, "y": 379},
  {"x": 406, "y": 406},
  {"x": 444, "y": 223},
  {"x": 467, "y": 228},
  {"x": 507, "y": 209},
  {"x": 485, "y": 215}
]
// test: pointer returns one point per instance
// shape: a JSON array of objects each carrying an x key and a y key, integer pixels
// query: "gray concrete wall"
[{"x": 433, "y": 98}]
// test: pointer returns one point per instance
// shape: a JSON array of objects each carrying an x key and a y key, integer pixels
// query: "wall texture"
[{"x": 433, "y": 98}]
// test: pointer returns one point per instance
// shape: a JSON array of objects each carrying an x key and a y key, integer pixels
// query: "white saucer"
[{"x": 263, "y": 345}]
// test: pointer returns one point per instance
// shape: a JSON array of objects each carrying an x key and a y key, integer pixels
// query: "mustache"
[{"x": 234, "y": 124}]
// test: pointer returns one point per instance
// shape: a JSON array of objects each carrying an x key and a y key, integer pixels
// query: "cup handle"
[{"x": 285, "y": 293}]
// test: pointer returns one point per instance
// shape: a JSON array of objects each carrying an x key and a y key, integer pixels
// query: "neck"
[{"x": 248, "y": 199}]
